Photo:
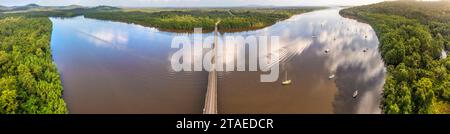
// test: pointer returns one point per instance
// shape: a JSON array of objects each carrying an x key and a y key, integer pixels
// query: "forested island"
[{"x": 413, "y": 35}]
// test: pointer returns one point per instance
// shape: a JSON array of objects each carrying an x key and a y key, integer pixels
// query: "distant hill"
[
  {"x": 4, "y": 8},
  {"x": 104, "y": 8},
  {"x": 36, "y": 7},
  {"x": 73, "y": 6},
  {"x": 32, "y": 5},
  {"x": 26, "y": 7}
]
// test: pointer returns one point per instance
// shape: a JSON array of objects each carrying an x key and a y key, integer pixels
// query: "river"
[{"x": 113, "y": 67}]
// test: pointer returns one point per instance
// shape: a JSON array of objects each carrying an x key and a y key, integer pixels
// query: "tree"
[
  {"x": 424, "y": 96},
  {"x": 401, "y": 73},
  {"x": 8, "y": 102},
  {"x": 395, "y": 56},
  {"x": 3, "y": 57},
  {"x": 389, "y": 94},
  {"x": 406, "y": 104}
]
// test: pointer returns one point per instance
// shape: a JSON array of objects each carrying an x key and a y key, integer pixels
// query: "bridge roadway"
[{"x": 211, "y": 93}]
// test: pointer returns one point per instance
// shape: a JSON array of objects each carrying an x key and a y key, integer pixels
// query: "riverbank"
[
  {"x": 29, "y": 80},
  {"x": 412, "y": 37}
]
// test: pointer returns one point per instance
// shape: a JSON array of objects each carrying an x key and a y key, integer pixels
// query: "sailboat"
[
  {"x": 355, "y": 94},
  {"x": 286, "y": 81}
]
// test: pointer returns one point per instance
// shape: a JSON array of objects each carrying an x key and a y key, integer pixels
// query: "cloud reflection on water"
[
  {"x": 346, "y": 39},
  {"x": 110, "y": 38},
  {"x": 362, "y": 71}
]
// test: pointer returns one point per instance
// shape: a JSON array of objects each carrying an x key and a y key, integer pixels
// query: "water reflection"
[
  {"x": 106, "y": 38},
  {"x": 353, "y": 60},
  {"x": 111, "y": 67}
]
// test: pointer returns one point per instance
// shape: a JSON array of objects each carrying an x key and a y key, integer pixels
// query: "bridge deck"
[{"x": 211, "y": 93}]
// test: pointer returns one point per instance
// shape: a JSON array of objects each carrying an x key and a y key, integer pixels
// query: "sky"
[{"x": 187, "y": 3}]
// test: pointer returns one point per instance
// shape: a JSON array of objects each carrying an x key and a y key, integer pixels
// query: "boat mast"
[{"x": 286, "y": 75}]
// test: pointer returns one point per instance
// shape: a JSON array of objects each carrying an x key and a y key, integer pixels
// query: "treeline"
[
  {"x": 49, "y": 13},
  {"x": 412, "y": 37},
  {"x": 173, "y": 19},
  {"x": 29, "y": 80},
  {"x": 187, "y": 20}
]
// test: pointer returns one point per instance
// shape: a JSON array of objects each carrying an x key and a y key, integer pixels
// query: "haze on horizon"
[{"x": 188, "y": 3}]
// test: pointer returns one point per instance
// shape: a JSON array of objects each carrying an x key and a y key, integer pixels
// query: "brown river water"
[{"x": 112, "y": 67}]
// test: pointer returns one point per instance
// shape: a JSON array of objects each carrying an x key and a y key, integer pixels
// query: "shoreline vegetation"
[
  {"x": 29, "y": 80},
  {"x": 413, "y": 35},
  {"x": 185, "y": 20},
  {"x": 234, "y": 19}
]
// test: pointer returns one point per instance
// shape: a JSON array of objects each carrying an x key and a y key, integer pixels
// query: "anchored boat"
[
  {"x": 331, "y": 76},
  {"x": 355, "y": 94},
  {"x": 286, "y": 81}
]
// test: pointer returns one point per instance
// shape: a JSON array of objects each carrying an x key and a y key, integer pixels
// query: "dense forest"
[
  {"x": 412, "y": 37},
  {"x": 29, "y": 80}
]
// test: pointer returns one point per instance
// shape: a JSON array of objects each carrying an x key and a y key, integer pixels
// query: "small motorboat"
[
  {"x": 355, "y": 94},
  {"x": 314, "y": 36},
  {"x": 365, "y": 50},
  {"x": 327, "y": 50},
  {"x": 286, "y": 82},
  {"x": 331, "y": 76}
]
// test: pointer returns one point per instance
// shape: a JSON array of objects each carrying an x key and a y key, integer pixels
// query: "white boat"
[
  {"x": 355, "y": 94},
  {"x": 327, "y": 50},
  {"x": 314, "y": 36},
  {"x": 286, "y": 81},
  {"x": 331, "y": 76}
]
